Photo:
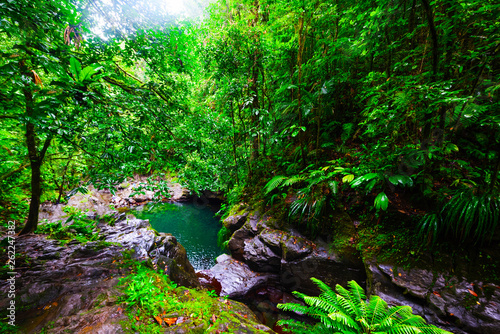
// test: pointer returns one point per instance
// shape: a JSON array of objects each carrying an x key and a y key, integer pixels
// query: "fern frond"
[
  {"x": 346, "y": 312},
  {"x": 274, "y": 183},
  {"x": 292, "y": 180},
  {"x": 324, "y": 288},
  {"x": 375, "y": 310},
  {"x": 342, "y": 321},
  {"x": 321, "y": 304},
  {"x": 294, "y": 307},
  {"x": 348, "y": 301},
  {"x": 358, "y": 295},
  {"x": 393, "y": 314}
]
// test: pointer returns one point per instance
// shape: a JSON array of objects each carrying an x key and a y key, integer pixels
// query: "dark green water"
[{"x": 194, "y": 226}]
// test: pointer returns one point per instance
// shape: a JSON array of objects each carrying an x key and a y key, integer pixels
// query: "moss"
[
  {"x": 99, "y": 299},
  {"x": 163, "y": 300}
]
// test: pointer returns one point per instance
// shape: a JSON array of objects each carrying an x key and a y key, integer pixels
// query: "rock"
[
  {"x": 260, "y": 257},
  {"x": 213, "y": 195},
  {"x": 325, "y": 266},
  {"x": 176, "y": 263},
  {"x": 236, "y": 244},
  {"x": 240, "y": 319},
  {"x": 235, "y": 222},
  {"x": 63, "y": 284},
  {"x": 452, "y": 303},
  {"x": 236, "y": 278},
  {"x": 132, "y": 234},
  {"x": 139, "y": 198},
  {"x": 208, "y": 281}
]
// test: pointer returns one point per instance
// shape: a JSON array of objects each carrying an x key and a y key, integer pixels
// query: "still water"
[{"x": 194, "y": 226}]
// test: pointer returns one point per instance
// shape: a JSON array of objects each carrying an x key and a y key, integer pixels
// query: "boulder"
[
  {"x": 236, "y": 244},
  {"x": 235, "y": 222},
  {"x": 260, "y": 257},
  {"x": 236, "y": 279},
  {"x": 442, "y": 298},
  {"x": 64, "y": 284}
]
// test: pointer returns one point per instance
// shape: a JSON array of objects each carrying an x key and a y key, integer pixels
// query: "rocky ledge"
[
  {"x": 263, "y": 257},
  {"x": 73, "y": 287}
]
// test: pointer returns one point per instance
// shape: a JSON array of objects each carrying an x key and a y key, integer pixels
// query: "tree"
[{"x": 98, "y": 108}]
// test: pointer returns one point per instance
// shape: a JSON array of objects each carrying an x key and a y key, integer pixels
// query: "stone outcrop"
[
  {"x": 57, "y": 283},
  {"x": 447, "y": 299},
  {"x": 132, "y": 193},
  {"x": 234, "y": 279},
  {"x": 265, "y": 249}
]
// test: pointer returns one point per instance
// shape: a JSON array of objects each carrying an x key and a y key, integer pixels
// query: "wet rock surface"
[
  {"x": 292, "y": 257},
  {"x": 75, "y": 285},
  {"x": 444, "y": 298},
  {"x": 235, "y": 278}
]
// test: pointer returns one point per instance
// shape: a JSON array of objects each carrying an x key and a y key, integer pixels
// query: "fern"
[
  {"x": 347, "y": 311},
  {"x": 292, "y": 180},
  {"x": 274, "y": 183}
]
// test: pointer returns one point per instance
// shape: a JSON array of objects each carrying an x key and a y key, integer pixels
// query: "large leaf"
[
  {"x": 76, "y": 68},
  {"x": 88, "y": 72},
  {"x": 381, "y": 201}
]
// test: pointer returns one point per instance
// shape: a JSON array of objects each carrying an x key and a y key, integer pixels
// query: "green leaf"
[
  {"x": 348, "y": 178},
  {"x": 381, "y": 201},
  {"x": 394, "y": 180},
  {"x": 76, "y": 68}
]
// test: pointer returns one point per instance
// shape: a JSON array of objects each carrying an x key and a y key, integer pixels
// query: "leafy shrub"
[
  {"x": 81, "y": 228},
  {"x": 466, "y": 217},
  {"x": 313, "y": 200},
  {"x": 348, "y": 311}
]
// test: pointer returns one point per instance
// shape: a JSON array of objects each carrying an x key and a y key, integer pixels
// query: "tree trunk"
[
  {"x": 36, "y": 192},
  {"x": 435, "y": 62},
  {"x": 36, "y": 159}
]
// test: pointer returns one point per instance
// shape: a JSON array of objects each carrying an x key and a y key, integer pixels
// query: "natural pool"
[{"x": 194, "y": 226}]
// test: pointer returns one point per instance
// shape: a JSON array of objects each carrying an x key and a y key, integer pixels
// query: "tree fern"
[{"x": 347, "y": 311}]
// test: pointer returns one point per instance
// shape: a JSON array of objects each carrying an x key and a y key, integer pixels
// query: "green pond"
[{"x": 194, "y": 226}]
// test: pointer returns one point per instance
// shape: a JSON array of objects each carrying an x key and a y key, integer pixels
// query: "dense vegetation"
[
  {"x": 334, "y": 102},
  {"x": 348, "y": 311},
  {"x": 388, "y": 109}
]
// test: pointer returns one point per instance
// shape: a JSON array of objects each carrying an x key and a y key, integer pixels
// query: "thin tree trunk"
[
  {"x": 302, "y": 38},
  {"x": 61, "y": 189},
  {"x": 435, "y": 62},
  {"x": 36, "y": 159},
  {"x": 254, "y": 88},
  {"x": 234, "y": 143}
]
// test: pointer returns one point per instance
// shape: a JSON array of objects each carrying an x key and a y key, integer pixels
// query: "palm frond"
[{"x": 467, "y": 217}]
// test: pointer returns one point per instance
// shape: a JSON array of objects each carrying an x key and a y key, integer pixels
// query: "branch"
[
  {"x": 45, "y": 147},
  {"x": 128, "y": 74},
  {"x": 12, "y": 172}
]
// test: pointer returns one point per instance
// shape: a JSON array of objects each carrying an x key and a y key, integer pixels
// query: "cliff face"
[
  {"x": 451, "y": 299},
  {"x": 75, "y": 287}
]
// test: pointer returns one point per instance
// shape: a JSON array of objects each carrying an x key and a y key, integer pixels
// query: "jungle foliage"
[
  {"x": 312, "y": 105},
  {"x": 348, "y": 311}
]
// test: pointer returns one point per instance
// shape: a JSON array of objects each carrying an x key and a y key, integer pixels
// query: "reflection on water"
[{"x": 194, "y": 226}]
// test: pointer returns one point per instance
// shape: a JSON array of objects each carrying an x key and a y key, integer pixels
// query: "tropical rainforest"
[{"x": 386, "y": 109}]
